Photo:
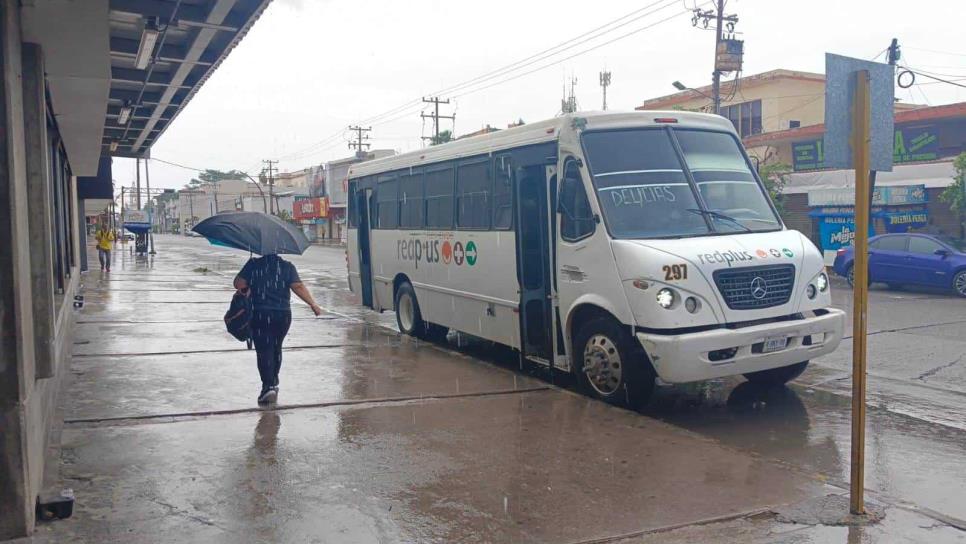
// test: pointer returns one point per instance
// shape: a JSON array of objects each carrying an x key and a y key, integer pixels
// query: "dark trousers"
[{"x": 269, "y": 328}]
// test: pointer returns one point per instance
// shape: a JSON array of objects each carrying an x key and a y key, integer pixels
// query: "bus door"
[
  {"x": 533, "y": 262},
  {"x": 363, "y": 196}
]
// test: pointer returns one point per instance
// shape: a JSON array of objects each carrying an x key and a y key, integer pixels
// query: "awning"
[{"x": 932, "y": 175}]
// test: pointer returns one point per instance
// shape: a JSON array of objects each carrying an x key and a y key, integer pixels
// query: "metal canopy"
[{"x": 194, "y": 37}]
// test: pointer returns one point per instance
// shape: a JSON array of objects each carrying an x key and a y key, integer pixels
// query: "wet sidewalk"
[{"x": 377, "y": 437}]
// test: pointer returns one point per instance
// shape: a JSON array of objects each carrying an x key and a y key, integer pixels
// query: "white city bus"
[{"x": 622, "y": 247}]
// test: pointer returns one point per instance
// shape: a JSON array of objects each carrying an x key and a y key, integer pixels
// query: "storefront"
[
  {"x": 898, "y": 208},
  {"x": 312, "y": 213}
]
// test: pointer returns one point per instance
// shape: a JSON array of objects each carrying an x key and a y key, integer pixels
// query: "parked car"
[{"x": 911, "y": 259}]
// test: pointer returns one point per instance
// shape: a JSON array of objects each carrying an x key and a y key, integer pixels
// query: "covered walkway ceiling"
[{"x": 191, "y": 38}]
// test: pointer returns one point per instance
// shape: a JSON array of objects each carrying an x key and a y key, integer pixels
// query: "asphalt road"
[{"x": 380, "y": 438}]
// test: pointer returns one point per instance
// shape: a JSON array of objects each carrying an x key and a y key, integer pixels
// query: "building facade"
[{"x": 74, "y": 93}]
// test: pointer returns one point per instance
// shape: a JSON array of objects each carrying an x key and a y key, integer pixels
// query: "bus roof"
[{"x": 535, "y": 133}]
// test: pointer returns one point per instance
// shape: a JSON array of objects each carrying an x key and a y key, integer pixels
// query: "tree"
[
  {"x": 775, "y": 177},
  {"x": 284, "y": 215},
  {"x": 955, "y": 194},
  {"x": 214, "y": 176},
  {"x": 444, "y": 136}
]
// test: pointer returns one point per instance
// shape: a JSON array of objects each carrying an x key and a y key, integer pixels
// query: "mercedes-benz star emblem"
[{"x": 759, "y": 288}]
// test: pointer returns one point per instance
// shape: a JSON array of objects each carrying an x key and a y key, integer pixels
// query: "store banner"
[
  {"x": 899, "y": 195},
  {"x": 912, "y": 142},
  {"x": 307, "y": 208},
  {"x": 902, "y": 221},
  {"x": 837, "y": 232}
]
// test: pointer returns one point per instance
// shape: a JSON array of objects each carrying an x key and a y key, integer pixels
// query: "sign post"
[
  {"x": 859, "y": 128},
  {"x": 861, "y": 113}
]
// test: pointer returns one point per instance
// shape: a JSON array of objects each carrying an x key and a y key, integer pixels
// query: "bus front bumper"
[{"x": 708, "y": 354}]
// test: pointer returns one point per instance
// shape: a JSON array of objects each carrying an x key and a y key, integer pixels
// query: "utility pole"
[
  {"x": 122, "y": 210},
  {"x": 604, "y": 83},
  {"x": 154, "y": 207},
  {"x": 271, "y": 185},
  {"x": 137, "y": 167},
  {"x": 360, "y": 140},
  {"x": 435, "y": 116},
  {"x": 721, "y": 64}
]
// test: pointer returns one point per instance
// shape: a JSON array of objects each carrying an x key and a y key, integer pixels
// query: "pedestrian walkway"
[{"x": 376, "y": 437}]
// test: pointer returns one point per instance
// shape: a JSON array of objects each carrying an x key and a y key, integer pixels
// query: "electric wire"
[{"x": 506, "y": 69}]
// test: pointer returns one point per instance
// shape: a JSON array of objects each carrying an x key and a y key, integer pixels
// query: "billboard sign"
[
  {"x": 840, "y": 74},
  {"x": 910, "y": 143},
  {"x": 316, "y": 181},
  {"x": 307, "y": 208}
]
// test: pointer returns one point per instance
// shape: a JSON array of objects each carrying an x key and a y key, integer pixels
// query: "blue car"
[{"x": 911, "y": 259}]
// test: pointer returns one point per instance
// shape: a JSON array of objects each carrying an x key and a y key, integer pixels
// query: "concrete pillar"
[
  {"x": 16, "y": 310},
  {"x": 39, "y": 203}
]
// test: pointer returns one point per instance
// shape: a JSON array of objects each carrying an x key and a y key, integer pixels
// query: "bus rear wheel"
[
  {"x": 610, "y": 366},
  {"x": 410, "y": 319}
]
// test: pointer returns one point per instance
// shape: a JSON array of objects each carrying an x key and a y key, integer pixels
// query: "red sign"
[{"x": 310, "y": 208}]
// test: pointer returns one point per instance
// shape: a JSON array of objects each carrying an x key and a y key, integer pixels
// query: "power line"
[
  {"x": 514, "y": 66},
  {"x": 950, "y": 53},
  {"x": 588, "y": 50},
  {"x": 561, "y": 47}
]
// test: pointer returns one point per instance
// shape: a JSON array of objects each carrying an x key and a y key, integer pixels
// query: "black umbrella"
[{"x": 253, "y": 231}]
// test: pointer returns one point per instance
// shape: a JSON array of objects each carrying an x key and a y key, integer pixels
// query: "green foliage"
[
  {"x": 955, "y": 194},
  {"x": 444, "y": 136},
  {"x": 775, "y": 177},
  {"x": 214, "y": 176},
  {"x": 286, "y": 215}
]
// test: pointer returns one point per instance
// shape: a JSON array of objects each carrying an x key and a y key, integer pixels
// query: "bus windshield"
[{"x": 644, "y": 189}]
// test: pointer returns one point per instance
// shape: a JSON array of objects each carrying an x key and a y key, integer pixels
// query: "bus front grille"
[{"x": 757, "y": 287}]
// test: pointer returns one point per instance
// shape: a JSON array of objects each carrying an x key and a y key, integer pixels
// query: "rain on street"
[{"x": 380, "y": 437}]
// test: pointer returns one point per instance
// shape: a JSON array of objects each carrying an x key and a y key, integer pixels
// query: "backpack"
[{"x": 238, "y": 319}]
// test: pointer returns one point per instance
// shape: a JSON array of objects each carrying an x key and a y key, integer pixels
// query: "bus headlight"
[
  {"x": 811, "y": 291},
  {"x": 665, "y": 298},
  {"x": 822, "y": 282}
]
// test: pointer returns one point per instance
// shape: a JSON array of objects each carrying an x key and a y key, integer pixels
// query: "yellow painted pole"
[{"x": 860, "y": 302}]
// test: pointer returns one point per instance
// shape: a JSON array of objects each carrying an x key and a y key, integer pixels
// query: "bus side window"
[
  {"x": 353, "y": 206},
  {"x": 576, "y": 217},
  {"x": 411, "y": 206},
  {"x": 502, "y": 194},
  {"x": 388, "y": 202},
  {"x": 439, "y": 198},
  {"x": 473, "y": 196}
]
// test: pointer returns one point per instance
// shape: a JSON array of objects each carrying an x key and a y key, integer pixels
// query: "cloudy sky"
[{"x": 310, "y": 68}]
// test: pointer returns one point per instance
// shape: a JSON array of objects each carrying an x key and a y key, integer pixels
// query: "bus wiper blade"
[{"x": 722, "y": 216}]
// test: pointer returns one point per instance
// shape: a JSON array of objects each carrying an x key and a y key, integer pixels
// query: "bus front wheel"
[
  {"x": 410, "y": 319},
  {"x": 610, "y": 366}
]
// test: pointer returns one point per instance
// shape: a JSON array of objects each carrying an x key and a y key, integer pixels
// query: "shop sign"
[
  {"x": 304, "y": 208},
  {"x": 911, "y": 143},
  {"x": 899, "y": 195},
  {"x": 837, "y": 232},
  {"x": 808, "y": 155},
  {"x": 904, "y": 220}
]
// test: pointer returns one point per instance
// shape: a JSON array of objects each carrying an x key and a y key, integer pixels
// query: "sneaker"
[{"x": 268, "y": 395}]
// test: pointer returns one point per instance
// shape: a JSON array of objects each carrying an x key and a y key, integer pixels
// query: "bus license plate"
[{"x": 776, "y": 343}]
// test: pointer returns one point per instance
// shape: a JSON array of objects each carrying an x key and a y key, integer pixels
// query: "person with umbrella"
[{"x": 269, "y": 280}]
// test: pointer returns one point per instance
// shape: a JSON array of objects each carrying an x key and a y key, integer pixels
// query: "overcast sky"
[{"x": 310, "y": 68}]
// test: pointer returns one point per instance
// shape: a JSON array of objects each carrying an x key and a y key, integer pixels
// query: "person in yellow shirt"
[{"x": 105, "y": 241}]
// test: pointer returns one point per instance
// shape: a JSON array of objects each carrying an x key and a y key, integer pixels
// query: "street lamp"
[{"x": 682, "y": 87}]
